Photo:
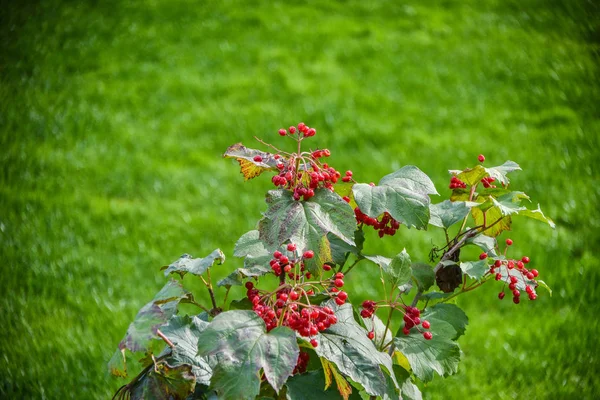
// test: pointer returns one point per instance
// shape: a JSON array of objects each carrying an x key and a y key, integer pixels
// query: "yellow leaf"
[{"x": 401, "y": 360}]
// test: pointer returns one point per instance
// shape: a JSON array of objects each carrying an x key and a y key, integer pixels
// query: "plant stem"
[
  {"x": 387, "y": 325},
  {"x": 166, "y": 339}
]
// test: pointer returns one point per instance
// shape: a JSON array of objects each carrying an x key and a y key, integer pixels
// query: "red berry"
[
  {"x": 525, "y": 260},
  {"x": 483, "y": 256},
  {"x": 535, "y": 273},
  {"x": 294, "y": 296},
  {"x": 514, "y": 279},
  {"x": 342, "y": 295},
  {"x": 258, "y": 158},
  {"x": 309, "y": 254},
  {"x": 283, "y": 132},
  {"x": 346, "y": 179},
  {"x": 516, "y": 300},
  {"x": 516, "y": 293},
  {"x": 249, "y": 285},
  {"x": 481, "y": 158},
  {"x": 426, "y": 324},
  {"x": 366, "y": 313},
  {"x": 339, "y": 275},
  {"x": 498, "y": 276},
  {"x": 509, "y": 242},
  {"x": 530, "y": 275},
  {"x": 339, "y": 301},
  {"x": 406, "y": 330},
  {"x": 501, "y": 295},
  {"x": 314, "y": 343},
  {"x": 291, "y": 247},
  {"x": 283, "y": 296},
  {"x": 310, "y": 132},
  {"x": 520, "y": 264},
  {"x": 338, "y": 282},
  {"x": 427, "y": 335},
  {"x": 292, "y": 129},
  {"x": 498, "y": 264},
  {"x": 283, "y": 260},
  {"x": 371, "y": 335},
  {"x": 326, "y": 267},
  {"x": 277, "y": 254}
]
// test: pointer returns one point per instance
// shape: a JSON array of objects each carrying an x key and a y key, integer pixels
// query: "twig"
[{"x": 166, "y": 339}]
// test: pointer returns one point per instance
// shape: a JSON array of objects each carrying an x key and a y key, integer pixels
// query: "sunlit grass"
[{"x": 114, "y": 117}]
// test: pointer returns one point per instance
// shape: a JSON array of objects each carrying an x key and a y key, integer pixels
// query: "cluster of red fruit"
[
  {"x": 487, "y": 182},
  {"x": 303, "y": 181},
  {"x": 302, "y": 128},
  {"x": 457, "y": 183},
  {"x": 385, "y": 226},
  {"x": 307, "y": 320},
  {"x": 302, "y": 363},
  {"x": 412, "y": 318},
  {"x": 513, "y": 269},
  {"x": 282, "y": 263}
]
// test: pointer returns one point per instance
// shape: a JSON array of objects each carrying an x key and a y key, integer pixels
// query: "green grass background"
[{"x": 114, "y": 116}]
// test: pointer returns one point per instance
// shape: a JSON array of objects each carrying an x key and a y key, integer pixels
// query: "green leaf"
[
  {"x": 311, "y": 386},
  {"x": 347, "y": 346},
  {"x": 470, "y": 176},
  {"x": 307, "y": 223},
  {"x": 500, "y": 172},
  {"x": 154, "y": 314},
  {"x": 537, "y": 214},
  {"x": 117, "y": 366},
  {"x": 399, "y": 269},
  {"x": 381, "y": 261},
  {"x": 376, "y": 325},
  {"x": 448, "y": 314},
  {"x": 256, "y": 262},
  {"x": 475, "y": 269},
  {"x": 165, "y": 382},
  {"x": 245, "y": 157},
  {"x": 408, "y": 389},
  {"x": 243, "y": 347},
  {"x": 403, "y": 194},
  {"x": 485, "y": 243},
  {"x": 340, "y": 249},
  {"x": 447, "y": 213},
  {"x": 440, "y": 355},
  {"x": 184, "y": 332},
  {"x": 424, "y": 275},
  {"x": 196, "y": 266},
  {"x": 545, "y": 286},
  {"x": 491, "y": 218},
  {"x": 249, "y": 244}
]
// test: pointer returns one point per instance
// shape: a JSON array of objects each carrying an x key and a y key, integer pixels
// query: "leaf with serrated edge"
[
  {"x": 245, "y": 157},
  {"x": 307, "y": 223},
  {"x": 447, "y": 213},
  {"x": 117, "y": 365},
  {"x": 346, "y": 345},
  {"x": 500, "y": 172},
  {"x": 470, "y": 176},
  {"x": 424, "y": 275},
  {"x": 475, "y": 269},
  {"x": 196, "y": 266},
  {"x": 485, "y": 243},
  {"x": 399, "y": 269},
  {"x": 403, "y": 194},
  {"x": 491, "y": 216},
  {"x": 439, "y": 355},
  {"x": 537, "y": 214},
  {"x": 309, "y": 386},
  {"x": 449, "y": 314},
  {"x": 238, "y": 339},
  {"x": 165, "y": 382},
  {"x": 183, "y": 332},
  {"x": 154, "y": 314}
]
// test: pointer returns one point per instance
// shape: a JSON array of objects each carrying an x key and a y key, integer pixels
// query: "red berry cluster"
[
  {"x": 487, "y": 182},
  {"x": 456, "y": 183},
  {"x": 385, "y": 226},
  {"x": 516, "y": 275},
  {"x": 302, "y": 363},
  {"x": 412, "y": 318},
  {"x": 307, "y": 320},
  {"x": 302, "y": 129}
]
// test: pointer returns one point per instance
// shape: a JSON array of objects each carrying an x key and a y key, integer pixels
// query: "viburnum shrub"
[{"x": 298, "y": 333}]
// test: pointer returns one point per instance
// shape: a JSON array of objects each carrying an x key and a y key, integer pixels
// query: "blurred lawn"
[{"x": 114, "y": 116}]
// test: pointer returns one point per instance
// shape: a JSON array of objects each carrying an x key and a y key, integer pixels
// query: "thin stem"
[
  {"x": 271, "y": 146},
  {"x": 353, "y": 265},
  {"x": 226, "y": 294},
  {"x": 164, "y": 338},
  {"x": 387, "y": 325}
]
